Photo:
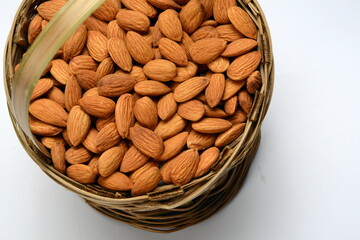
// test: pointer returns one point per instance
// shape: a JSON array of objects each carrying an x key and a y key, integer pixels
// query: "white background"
[{"x": 305, "y": 180}]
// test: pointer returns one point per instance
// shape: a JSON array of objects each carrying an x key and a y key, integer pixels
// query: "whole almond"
[
  {"x": 139, "y": 172},
  {"x": 81, "y": 173},
  {"x": 238, "y": 117},
  {"x": 245, "y": 101},
  {"x": 219, "y": 65},
  {"x": 98, "y": 106},
  {"x": 93, "y": 164},
  {"x": 173, "y": 52},
  {"x": 170, "y": 25},
  {"x": 43, "y": 86},
  {"x": 173, "y": 146},
  {"x": 230, "y": 135},
  {"x": 207, "y": 50},
  {"x": 145, "y": 112},
  {"x": 60, "y": 70},
  {"x": 43, "y": 129},
  {"x": 50, "y": 141},
  {"x": 77, "y": 155},
  {"x": 207, "y": 159},
  {"x": 205, "y": 32},
  {"x": 89, "y": 141},
  {"x": 185, "y": 73},
  {"x": 231, "y": 105},
  {"x": 165, "y": 4},
  {"x": 242, "y": 22},
  {"x": 151, "y": 88},
  {"x": 183, "y": 167},
  {"x": 133, "y": 20},
  {"x": 120, "y": 54},
  {"x": 200, "y": 141},
  {"x": 239, "y": 47},
  {"x": 211, "y": 125},
  {"x": 73, "y": 93},
  {"x": 192, "y": 110},
  {"x": 49, "y": 112},
  {"x": 165, "y": 172},
  {"x": 86, "y": 79},
  {"x": 108, "y": 10},
  {"x": 78, "y": 125},
  {"x": 116, "y": 182},
  {"x": 141, "y": 6},
  {"x": 232, "y": 87},
  {"x": 115, "y": 31},
  {"x": 243, "y": 66},
  {"x": 138, "y": 74},
  {"x": 148, "y": 142},
  {"x": 114, "y": 85},
  {"x": 191, "y": 16},
  {"x": 167, "y": 106},
  {"x": 82, "y": 62},
  {"x": 190, "y": 88},
  {"x": 215, "y": 90},
  {"x": 47, "y": 10},
  {"x": 214, "y": 112},
  {"x": 111, "y": 159},
  {"x": 58, "y": 157},
  {"x": 133, "y": 160},
  {"x": 102, "y": 122},
  {"x": 34, "y": 28},
  {"x": 57, "y": 96},
  {"x": 97, "y": 45},
  {"x": 221, "y": 9},
  {"x": 171, "y": 127},
  {"x": 160, "y": 70},
  {"x": 253, "y": 82},
  {"x": 75, "y": 43},
  {"x": 139, "y": 49},
  {"x": 228, "y": 32},
  {"x": 124, "y": 114},
  {"x": 107, "y": 137},
  {"x": 208, "y": 7},
  {"x": 146, "y": 182},
  {"x": 95, "y": 24}
]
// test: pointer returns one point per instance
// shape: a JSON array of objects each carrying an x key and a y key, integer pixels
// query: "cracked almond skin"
[
  {"x": 183, "y": 167},
  {"x": 116, "y": 182},
  {"x": 173, "y": 146},
  {"x": 107, "y": 137},
  {"x": 207, "y": 159},
  {"x": 78, "y": 125},
  {"x": 148, "y": 142},
  {"x": 171, "y": 127},
  {"x": 207, "y": 50},
  {"x": 189, "y": 89},
  {"x": 98, "y": 106},
  {"x": 110, "y": 160},
  {"x": 146, "y": 182},
  {"x": 114, "y": 85},
  {"x": 49, "y": 112},
  {"x": 133, "y": 160},
  {"x": 230, "y": 135},
  {"x": 191, "y": 16},
  {"x": 242, "y": 22},
  {"x": 124, "y": 114},
  {"x": 212, "y": 125},
  {"x": 200, "y": 141},
  {"x": 81, "y": 173}
]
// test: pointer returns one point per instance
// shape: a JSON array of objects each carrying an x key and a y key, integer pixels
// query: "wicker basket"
[{"x": 168, "y": 208}]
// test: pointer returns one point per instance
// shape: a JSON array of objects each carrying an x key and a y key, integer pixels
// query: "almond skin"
[
  {"x": 47, "y": 10},
  {"x": 86, "y": 79},
  {"x": 186, "y": 43},
  {"x": 50, "y": 141},
  {"x": 139, "y": 49},
  {"x": 141, "y": 6},
  {"x": 107, "y": 137},
  {"x": 165, "y": 4},
  {"x": 185, "y": 73},
  {"x": 60, "y": 70},
  {"x": 160, "y": 70},
  {"x": 81, "y": 173},
  {"x": 151, "y": 88},
  {"x": 43, "y": 86},
  {"x": 230, "y": 135},
  {"x": 133, "y": 160},
  {"x": 139, "y": 172},
  {"x": 145, "y": 112},
  {"x": 58, "y": 157},
  {"x": 89, "y": 141},
  {"x": 183, "y": 166},
  {"x": 173, "y": 52},
  {"x": 133, "y": 20},
  {"x": 215, "y": 90},
  {"x": 200, "y": 141},
  {"x": 82, "y": 62},
  {"x": 115, "y": 31},
  {"x": 205, "y": 32},
  {"x": 170, "y": 25},
  {"x": 207, "y": 50},
  {"x": 171, "y": 127},
  {"x": 228, "y": 32},
  {"x": 124, "y": 114},
  {"x": 211, "y": 125},
  {"x": 106, "y": 67},
  {"x": 146, "y": 182},
  {"x": 208, "y": 6},
  {"x": 57, "y": 96},
  {"x": 191, "y": 16},
  {"x": 190, "y": 88},
  {"x": 214, "y": 112},
  {"x": 77, "y": 155},
  {"x": 97, "y": 45},
  {"x": 114, "y": 85},
  {"x": 108, "y": 10},
  {"x": 167, "y": 106},
  {"x": 239, "y": 47},
  {"x": 98, "y": 106},
  {"x": 238, "y": 117},
  {"x": 75, "y": 43},
  {"x": 43, "y": 129},
  {"x": 119, "y": 53},
  {"x": 78, "y": 125},
  {"x": 148, "y": 142},
  {"x": 165, "y": 172},
  {"x": 73, "y": 93},
  {"x": 137, "y": 73},
  {"x": 192, "y": 110},
  {"x": 242, "y": 22},
  {"x": 232, "y": 87},
  {"x": 231, "y": 105},
  {"x": 219, "y": 65},
  {"x": 95, "y": 24},
  {"x": 207, "y": 159},
  {"x": 173, "y": 146},
  {"x": 221, "y": 9},
  {"x": 245, "y": 101},
  {"x": 253, "y": 82},
  {"x": 111, "y": 159},
  {"x": 49, "y": 112},
  {"x": 93, "y": 165},
  {"x": 116, "y": 182}
]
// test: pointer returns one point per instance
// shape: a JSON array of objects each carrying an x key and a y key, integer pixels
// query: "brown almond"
[
  {"x": 183, "y": 166},
  {"x": 231, "y": 105},
  {"x": 102, "y": 122},
  {"x": 230, "y": 135},
  {"x": 190, "y": 88},
  {"x": 186, "y": 43},
  {"x": 212, "y": 23},
  {"x": 89, "y": 141},
  {"x": 207, "y": 50},
  {"x": 97, "y": 45},
  {"x": 214, "y": 112},
  {"x": 145, "y": 112},
  {"x": 171, "y": 127},
  {"x": 43, "y": 129},
  {"x": 219, "y": 65},
  {"x": 160, "y": 70},
  {"x": 119, "y": 53},
  {"x": 200, "y": 141},
  {"x": 78, "y": 125},
  {"x": 170, "y": 25},
  {"x": 77, "y": 155},
  {"x": 204, "y": 32},
  {"x": 151, "y": 88},
  {"x": 124, "y": 114},
  {"x": 238, "y": 117},
  {"x": 147, "y": 141},
  {"x": 138, "y": 74},
  {"x": 73, "y": 93},
  {"x": 75, "y": 43},
  {"x": 165, "y": 4},
  {"x": 165, "y": 172},
  {"x": 107, "y": 137},
  {"x": 191, "y": 16},
  {"x": 228, "y": 32},
  {"x": 215, "y": 90},
  {"x": 139, "y": 49},
  {"x": 63, "y": 138},
  {"x": 242, "y": 22},
  {"x": 185, "y": 73},
  {"x": 211, "y": 125},
  {"x": 115, "y": 31},
  {"x": 50, "y": 141},
  {"x": 111, "y": 159},
  {"x": 146, "y": 182},
  {"x": 207, "y": 159},
  {"x": 47, "y": 10},
  {"x": 221, "y": 10},
  {"x": 58, "y": 157},
  {"x": 156, "y": 35},
  {"x": 139, "y": 172},
  {"x": 167, "y": 106},
  {"x": 173, "y": 146},
  {"x": 91, "y": 92},
  {"x": 141, "y": 6},
  {"x": 81, "y": 173},
  {"x": 42, "y": 87},
  {"x": 108, "y": 10},
  {"x": 86, "y": 79},
  {"x": 60, "y": 70},
  {"x": 49, "y": 112},
  {"x": 93, "y": 164},
  {"x": 239, "y": 47},
  {"x": 133, "y": 21},
  {"x": 133, "y": 160},
  {"x": 245, "y": 101},
  {"x": 232, "y": 88},
  {"x": 253, "y": 82},
  {"x": 114, "y": 85},
  {"x": 98, "y": 106},
  {"x": 208, "y": 7},
  {"x": 57, "y": 96},
  {"x": 95, "y": 24},
  {"x": 116, "y": 182},
  {"x": 34, "y": 28},
  {"x": 82, "y": 62},
  {"x": 173, "y": 52},
  {"x": 192, "y": 110}
]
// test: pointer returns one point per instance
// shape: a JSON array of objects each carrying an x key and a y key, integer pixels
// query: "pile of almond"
[{"x": 146, "y": 92}]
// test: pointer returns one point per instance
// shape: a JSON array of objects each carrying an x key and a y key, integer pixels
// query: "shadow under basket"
[{"x": 168, "y": 208}]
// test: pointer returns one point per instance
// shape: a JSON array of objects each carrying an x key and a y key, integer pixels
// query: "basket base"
[{"x": 196, "y": 211}]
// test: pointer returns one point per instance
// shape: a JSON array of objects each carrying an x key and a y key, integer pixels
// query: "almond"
[
  {"x": 190, "y": 88},
  {"x": 64, "y": 138},
  {"x": 171, "y": 127},
  {"x": 75, "y": 43},
  {"x": 49, "y": 112},
  {"x": 230, "y": 135},
  {"x": 91, "y": 92},
  {"x": 111, "y": 159},
  {"x": 165, "y": 4},
  {"x": 97, "y": 45},
  {"x": 151, "y": 88},
  {"x": 78, "y": 125},
  {"x": 243, "y": 66},
  {"x": 147, "y": 141},
  {"x": 115, "y": 31},
  {"x": 172, "y": 51},
  {"x": 183, "y": 167},
  {"x": 120, "y": 54},
  {"x": 145, "y": 112},
  {"x": 146, "y": 182},
  {"x": 89, "y": 141},
  {"x": 238, "y": 117},
  {"x": 207, "y": 159},
  {"x": 58, "y": 157},
  {"x": 102, "y": 122},
  {"x": 185, "y": 73},
  {"x": 93, "y": 164},
  {"x": 73, "y": 93},
  {"x": 165, "y": 172},
  {"x": 133, "y": 21},
  {"x": 173, "y": 146},
  {"x": 108, "y": 10},
  {"x": 231, "y": 105},
  {"x": 81, "y": 173},
  {"x": 167, "y": 106},
  {"x": 221, "y": 10},
  {"x": 138, "y": 74},
  {"x": 170, "y": 25},
  {"x": 50, "y": 141},
  {"x": 77, "y": 155},
  {"x": 204, "y": 32},
  {"x": 116, "y": 182},
  {"x": 215, "y": 90},
  {"x": 34, "y": 28},
  {"x": 133, "y": 160},
  {"x": 160, "y": 70},
  {"x": 214, "y": 112},
  {"x": 200, "y": 141},
  {"x": 245, "y": 101},
  {"x": 42, "y": 87},
  {"x": 95, "y": 24},
  {"x": 114, "y": 85},
  {"x": 156, "y": 35},
  {"x": 139, "y": 172},
  {"x": 232, "y": 87},
  {"x": 47, "y": 10},
  {"x": 219, "y": 65},
  {"x": 192, "y": 110},
  {"x": 107, "y": 137},
  {"x": 141, "y": 6},
  {"x": 82, "y": 62},
  {"x": 211, "y": 125},
  {"x": 60, "y": 70},
  {"x": 253, "y": 82},
  {"x": 212, "y": 23},
  {"x": 208, "y": 7},
  {"x": 239, "y": 47},
  {"x": 124, "y": 115},
  {"x": 207, "y": 50},
  {"x": 242, "y": 22},
  {"x": 139, "y": 49},
  {"x": 98, "y": 106},
  {"x": 186, "y": 43},
  {"x": 43, "y": 129},
  {"x": 57, "y": 96},
  {"x": 191, "y": 16},
  {"x": 228, "y": 32},
  {"x": 86, "y": 79}
]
